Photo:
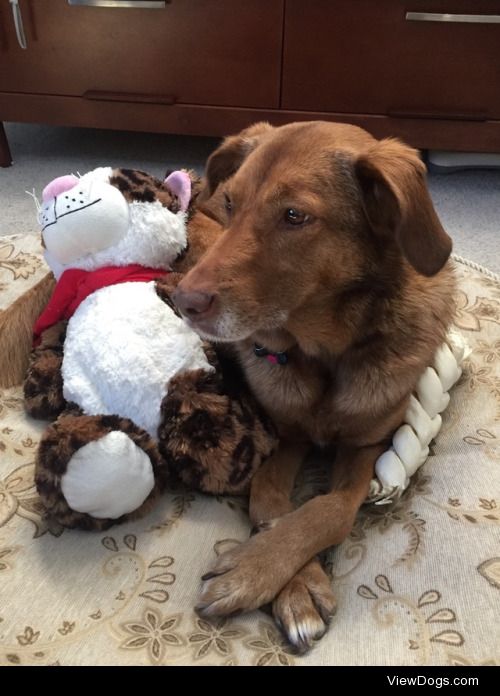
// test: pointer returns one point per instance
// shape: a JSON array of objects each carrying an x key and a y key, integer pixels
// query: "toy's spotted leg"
[
  {"x": 43, "y": 386},
  {"x": 211, "y": 441},
  {"x": 165, "y": 286},
  {"x": 95, "y": 471}
]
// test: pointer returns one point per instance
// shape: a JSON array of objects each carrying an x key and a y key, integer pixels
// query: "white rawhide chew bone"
[{"x": 410, "y": 444}]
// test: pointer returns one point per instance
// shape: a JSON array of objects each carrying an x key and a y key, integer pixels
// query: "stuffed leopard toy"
[{"x": 137, "y": 399}]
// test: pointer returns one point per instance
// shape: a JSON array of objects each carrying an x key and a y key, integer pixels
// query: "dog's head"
[{"x": 312, "y": 211}]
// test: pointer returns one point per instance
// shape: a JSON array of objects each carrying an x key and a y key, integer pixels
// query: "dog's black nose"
[{"x": 193, "y": 304}]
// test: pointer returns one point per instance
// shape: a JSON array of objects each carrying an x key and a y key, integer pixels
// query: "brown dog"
[{"x": 331, "y": 282}]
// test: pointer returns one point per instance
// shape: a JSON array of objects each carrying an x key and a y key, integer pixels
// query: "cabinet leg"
[{"x": 5, "y": 156}]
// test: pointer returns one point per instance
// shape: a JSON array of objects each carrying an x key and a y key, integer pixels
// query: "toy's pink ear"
[
  {"x": 58, "y": 186},
  {"x": 179, "y": 183}
]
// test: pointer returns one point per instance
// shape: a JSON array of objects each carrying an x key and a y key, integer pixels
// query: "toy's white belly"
[{"x": 122, "y": 346}]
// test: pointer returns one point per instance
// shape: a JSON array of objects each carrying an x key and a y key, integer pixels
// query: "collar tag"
[{"x": 274, "y": 358}]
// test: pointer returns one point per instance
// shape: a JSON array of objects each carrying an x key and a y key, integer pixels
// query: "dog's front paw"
[
  {"x": 243, "y": 579},
  {"x": 304, "y": 607}
]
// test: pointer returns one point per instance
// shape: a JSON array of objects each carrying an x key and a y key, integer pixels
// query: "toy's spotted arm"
[
  {"x": 43, "y": 386},
  {"x": 165, "y": 286}
]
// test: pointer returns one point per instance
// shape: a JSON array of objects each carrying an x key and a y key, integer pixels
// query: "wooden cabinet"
[
  {"x": 211, "y": 67},
  {"x": 220, "y": 52},
  {"x": 361, "y": 56}
]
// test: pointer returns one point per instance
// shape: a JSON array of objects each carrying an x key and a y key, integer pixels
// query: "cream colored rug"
[{"x": 417, "y": 583}]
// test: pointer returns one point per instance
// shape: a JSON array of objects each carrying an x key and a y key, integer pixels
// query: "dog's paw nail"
[
  {"x": 326, "y": 609},
  {"x": 303, "y": 636},
  {"x": 263, "y": 526},
  {"x": 200, "y": 609},
  {"x": 209, "y": 576},
  {"x": 299, "y": 646},
  {"x": 330, "y": 616}
]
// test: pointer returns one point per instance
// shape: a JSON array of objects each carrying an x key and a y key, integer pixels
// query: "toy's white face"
[
  {"x": 88, "y": 223},
  {"x": 85, "y": 218}
]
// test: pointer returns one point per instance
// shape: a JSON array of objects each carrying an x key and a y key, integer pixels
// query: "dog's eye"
[
  {"x": 295, "y": 217},
  {"x": 227, "y": 203}
]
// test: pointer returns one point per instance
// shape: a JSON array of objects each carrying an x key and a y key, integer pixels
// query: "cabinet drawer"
[
  {"x": 220, "y": 52},
  {"x": 366, "y": 57}
]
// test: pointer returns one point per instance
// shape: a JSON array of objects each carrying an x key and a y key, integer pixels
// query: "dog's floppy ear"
[
  {"x": 229, "y": 156},
  {"x": 396, "y": 202}
]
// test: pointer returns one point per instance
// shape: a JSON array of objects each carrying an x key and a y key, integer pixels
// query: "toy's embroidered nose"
[{"x": 58, "y": 186}]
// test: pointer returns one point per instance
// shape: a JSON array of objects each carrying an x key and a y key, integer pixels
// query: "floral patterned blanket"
[{"x": 418, "y": 582}]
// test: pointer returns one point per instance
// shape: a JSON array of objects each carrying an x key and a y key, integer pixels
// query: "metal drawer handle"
[
  {"x": 459, "y": 18},
  {"x": 18, "y": 23},
  {"x": 149, "y": 4}
]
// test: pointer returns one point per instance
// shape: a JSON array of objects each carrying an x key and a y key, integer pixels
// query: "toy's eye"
[
  {"x": 227, "y": 203},
  {"x": 295, "y": 217}
]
